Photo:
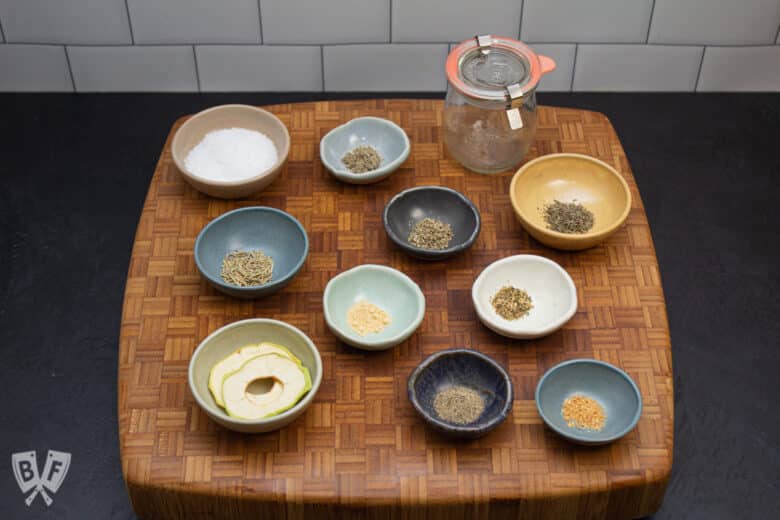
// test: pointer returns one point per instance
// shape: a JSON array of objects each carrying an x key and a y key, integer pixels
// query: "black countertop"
[{"x": 74, "y": 171}]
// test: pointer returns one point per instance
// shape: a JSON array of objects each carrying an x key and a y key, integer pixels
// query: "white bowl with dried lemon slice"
[
  {"x": 255, "y": 375},
  {"x": 524, "y": 296}
]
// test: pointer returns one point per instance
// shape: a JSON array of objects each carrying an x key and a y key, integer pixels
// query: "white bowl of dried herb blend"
[
  {"x": 569, "y": 201},
  {"x": 364, "y": 150},
  {"x": 524, "y": 296}
]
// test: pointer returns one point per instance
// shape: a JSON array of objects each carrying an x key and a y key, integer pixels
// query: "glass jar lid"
[{"x": 494, "y": 68}]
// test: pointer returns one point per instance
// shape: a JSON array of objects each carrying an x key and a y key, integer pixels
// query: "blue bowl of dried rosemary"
[{"x": 251, "y": 252}]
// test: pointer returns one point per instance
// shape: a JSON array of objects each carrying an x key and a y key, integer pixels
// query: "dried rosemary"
[
  {"x": 430, "y": 233},
  {"x": 362, "y": 159},
  {"x": 459, "y": 405},
  {"x": 511, "y": 303},
  {"x": 247, "y": 268},
  {"x": 568, "y": 217}
]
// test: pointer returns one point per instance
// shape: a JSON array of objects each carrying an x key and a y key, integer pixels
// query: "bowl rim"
[
  {"x": 465, "y": 428},
  {"x": 573, "y": 238},
  {"x": 382, "y": 171},
  {"x": 488, "y": 320},
  {"x": 303, "y": 403},
  {"x": 252, "y": 289},
  {"x": 281, "y": 154},
  {"x": 403, "y": 244},
  {"x": 572, "y": 435},
  {"x": 367, "y": 342}
]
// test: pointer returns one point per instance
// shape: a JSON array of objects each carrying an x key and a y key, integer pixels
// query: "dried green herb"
[
  {"x": 362, "y": 159},
  {"x": 568, "y": 217},
  {"x": 459, "y": 405},
  {"x": 511, "y": 303},
  {"x": 430, "y": 233},
  {"x": 247, "y": 268}
]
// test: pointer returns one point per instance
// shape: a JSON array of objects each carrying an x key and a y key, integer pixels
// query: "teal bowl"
[
  {"x": 612, "y": 388},
  {"x": 276, "y": 233},
  {"x": 386, "y": 137},
  {"x": 385, "y": 287}
]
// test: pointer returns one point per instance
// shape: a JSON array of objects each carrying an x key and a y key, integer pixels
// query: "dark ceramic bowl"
[
  {"x": 445, "y": 204},
  {"x": 612, "y": 388},
  {"x": 278, "y": 234},
  {"x": 467, "y": 368}
]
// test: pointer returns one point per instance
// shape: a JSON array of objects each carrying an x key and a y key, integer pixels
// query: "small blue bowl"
[
  {"x": 278, "y": 234},
  {"x": 612, "y": 388},
  {"x": 462, "y": 367},
  {"x": 386, "y": 137}
]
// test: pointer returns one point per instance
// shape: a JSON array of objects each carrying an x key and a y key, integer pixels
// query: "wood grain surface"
[{"x": 360, "y": 449}]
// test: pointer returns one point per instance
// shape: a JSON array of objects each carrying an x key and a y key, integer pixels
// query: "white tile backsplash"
[
  {"x": 636, "y": 68},
  {"x": 740, "y": 69},
  {"x": 454, "y": 20},
  {"x": 259, "y": 68},
  {"x": 34, "y": 68},
  {"x": 381, "y": 45},
  {"x": 558, "y": 80},
  {"x": 396, "y": 67},
  {"x": 715, "y": 22},
  {"x": 134, "y": 69},
  {"x": 325, "y": 21},
  {"x": 600, "y": 21},
  {"x": 195, "y": 21},
  {"x": 65, "y": 21}
]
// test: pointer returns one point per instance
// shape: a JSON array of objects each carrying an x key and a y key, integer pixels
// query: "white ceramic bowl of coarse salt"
[{"x": 231, "y": 151}]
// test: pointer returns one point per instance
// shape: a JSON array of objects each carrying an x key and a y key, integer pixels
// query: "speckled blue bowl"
[
  {"x": 278, "y": 234},
  {"x": 466, "y": 368},
  {"x": 612, "y": 388},
  {"x": 383, "y": 135}
]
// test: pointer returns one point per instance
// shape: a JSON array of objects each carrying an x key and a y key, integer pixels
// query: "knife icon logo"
[{"x": 25, "y": 468}]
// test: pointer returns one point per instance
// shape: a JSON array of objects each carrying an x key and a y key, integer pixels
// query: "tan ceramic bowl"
[
  {"x": 230, "y": 116},
  {"x": 567, "y": 177}
]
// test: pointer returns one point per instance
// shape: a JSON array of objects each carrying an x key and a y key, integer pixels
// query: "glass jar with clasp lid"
[{"x": 490, "y": 110}]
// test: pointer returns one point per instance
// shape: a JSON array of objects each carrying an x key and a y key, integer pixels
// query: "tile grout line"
[
  {"x": 574, "y": 67},
  {"x": 390, "y": 35},
  {"x": 70, "y": 68},
  {"x": 698, "y": 74},
  {"x": 129, "y": 23},
  {"x": 260, "y": 20},
  {"x": 322, "y": 67},
  {"x": 520, "y": 29},
  {"x": 197, "y": 71},
  {"x": 650, "y": 22},
  {"x": 341, "y": 44}
]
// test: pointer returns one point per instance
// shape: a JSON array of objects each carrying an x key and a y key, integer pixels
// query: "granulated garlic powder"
[{"x": 366, "y": 318}]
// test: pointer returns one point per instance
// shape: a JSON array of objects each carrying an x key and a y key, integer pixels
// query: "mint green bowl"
[
  {"x": 226, "y": 340},
  {"x": 385, "y": 287}
]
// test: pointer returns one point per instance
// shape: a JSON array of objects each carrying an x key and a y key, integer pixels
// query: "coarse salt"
[{"x": 231, "y": 154}]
